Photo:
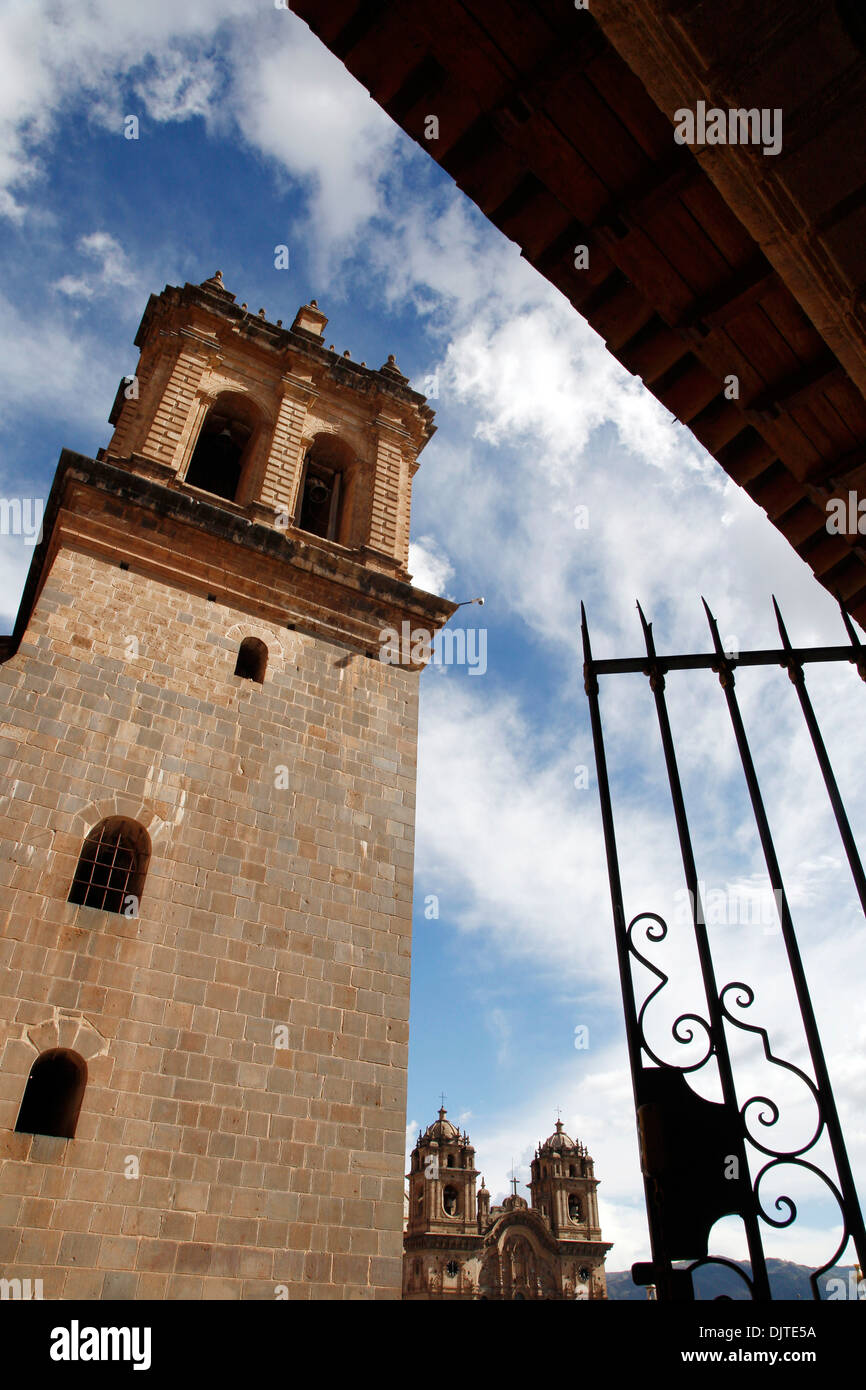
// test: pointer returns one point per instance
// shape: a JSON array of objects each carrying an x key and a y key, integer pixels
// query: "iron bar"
[
  {"x": 851, "y": 1208},
  {"x": 699, "y": 662},
  {"x": 798, "y": 680},
  {"x": 661, "y": 1262},
  {"x": 860, "y": 657},
  {"x": 720, "y": 1044}
]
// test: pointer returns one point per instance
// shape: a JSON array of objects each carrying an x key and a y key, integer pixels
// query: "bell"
[{"x": 317, "y": 490}]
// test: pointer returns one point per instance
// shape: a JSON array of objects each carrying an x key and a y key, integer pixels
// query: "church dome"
[
  {"x": 515, "y": 1203},
  {"x": 442, "y": 1130},
  {"x": 560, "y": 1141}
]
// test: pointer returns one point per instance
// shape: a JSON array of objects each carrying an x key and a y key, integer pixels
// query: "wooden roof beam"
[
  {"x": 526, "y": 95},
  {"x": 822, "y": 553},
  {"x": 795, "y": 387},
  {"x": 739, "y": 292},
  {"x": 363, "y": 22},
  {"x": 652, "y": 351},
  {"x": 747, "y": 455},
  {"x": 717, "y": 424},
  {"x": 616, "y": 309},
  {"x": 802, "y": 521},
  {"x": 847, "y": 470},
  {"x": 686, "y": 389},
  {"x": 426, "y": 79},
  {"x": 660, "y": 183},
  {"x": 847, "y": 579}
]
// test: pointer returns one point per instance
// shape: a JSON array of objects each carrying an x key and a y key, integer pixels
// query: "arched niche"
[
  {"x": 52, "y": 1097},
  {"x": 252, "y": 660}
]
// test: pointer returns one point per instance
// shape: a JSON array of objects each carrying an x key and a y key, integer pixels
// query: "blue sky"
[{"x": 251, "y": 135}]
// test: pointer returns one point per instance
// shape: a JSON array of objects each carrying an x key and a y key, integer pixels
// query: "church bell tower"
[
  {"x": 442, "y": 1180},
  {"x": 207, "y": 827},
  {"x": 563, "y": 1187}
]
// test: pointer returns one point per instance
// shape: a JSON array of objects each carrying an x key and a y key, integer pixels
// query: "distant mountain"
[{"x": 787, "y": 1281}]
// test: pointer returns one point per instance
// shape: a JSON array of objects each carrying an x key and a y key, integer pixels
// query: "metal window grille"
[{"x": 107, "y": 870}]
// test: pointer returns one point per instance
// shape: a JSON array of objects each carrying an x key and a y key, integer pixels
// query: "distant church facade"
[
  {"x": 458, "y": 1247},
  {"x": 207, "y": 828}
]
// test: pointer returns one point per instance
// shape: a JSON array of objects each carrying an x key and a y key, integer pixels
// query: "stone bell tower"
[
  {"x": 563, "y": 1187},
  {"x": 442, "y": 1180},
  {"x": 207, "y": 828}
]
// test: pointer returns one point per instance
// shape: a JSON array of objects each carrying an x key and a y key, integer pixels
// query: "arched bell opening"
[
  {"x": 225, "y": 446},
  {"x": 327, "y": 493}
]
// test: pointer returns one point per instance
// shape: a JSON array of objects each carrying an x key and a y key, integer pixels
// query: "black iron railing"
[{"x": 693, "y": 1150}]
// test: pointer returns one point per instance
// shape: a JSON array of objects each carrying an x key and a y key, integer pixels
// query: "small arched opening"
[
  {"x": 224, "y": 446},
  {"x": 450, "y": 1201},
  {"x": 52, "y": 1097},
  {"x": 252, "y": 662},
  {"x": 574, "y": 1211}
]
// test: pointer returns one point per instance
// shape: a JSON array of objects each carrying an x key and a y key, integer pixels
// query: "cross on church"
[
  {"x": 442, "y": 1098},
  {"x": 513, "y": 1179},
  {"x": 558, "y": 1112}
]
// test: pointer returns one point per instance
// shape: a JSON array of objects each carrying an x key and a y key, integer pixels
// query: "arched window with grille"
[
  {"x": 52, "y": 1097},
  {"x": 112, "y": 867},
  {"x": 252, "y": 661}
]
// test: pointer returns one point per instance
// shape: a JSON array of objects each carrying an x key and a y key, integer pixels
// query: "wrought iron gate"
[{"x": 693, "y": 1150}]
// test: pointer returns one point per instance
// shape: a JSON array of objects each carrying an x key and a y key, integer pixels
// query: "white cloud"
[
  {"x": 75, "y": 49},
  {"x": 431, "y": 570},
  {"x": 294, "y": 105},
  {"x": 76, "y": 381},
  {"x": 112, "y": 271},
  {"x": 175, "y": 89},
  {"x": 498, "y": 1025},
  {"x": 15, "y": 559}
]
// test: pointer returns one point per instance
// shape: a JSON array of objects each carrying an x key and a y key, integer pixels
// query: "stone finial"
[
  {"x": 215, "y": 285},
  {"x": 310, "y": 319},
  {"x": 391, "y": 369}
]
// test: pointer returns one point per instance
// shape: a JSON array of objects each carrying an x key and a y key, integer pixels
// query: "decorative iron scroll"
[{"x": 688, "y": 1143}]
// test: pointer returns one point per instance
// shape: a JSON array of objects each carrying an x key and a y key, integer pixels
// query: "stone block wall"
[{"x": 246, "y": 1035}]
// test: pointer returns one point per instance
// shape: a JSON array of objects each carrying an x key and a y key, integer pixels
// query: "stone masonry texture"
[
  {"x": 246, "y": 1033},
  {"x": 259, "y": 1164}
]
